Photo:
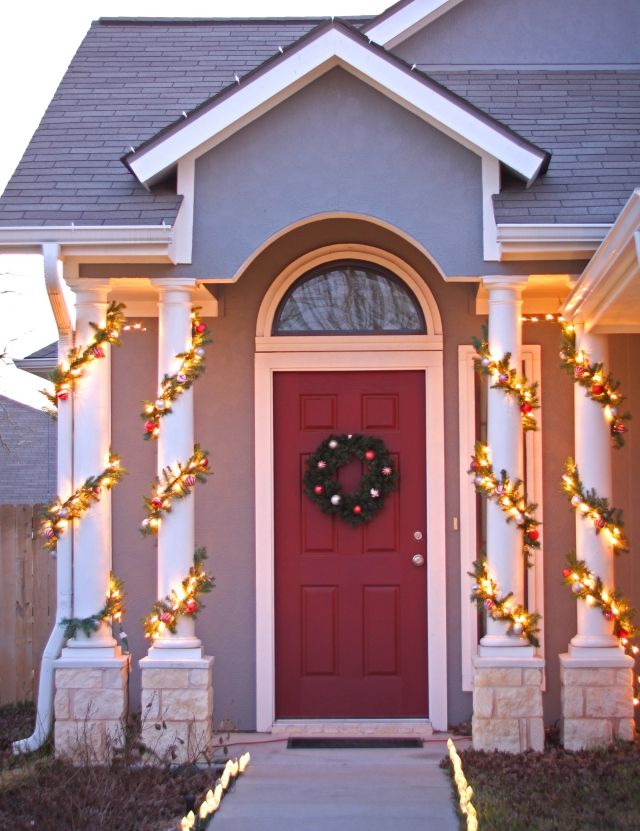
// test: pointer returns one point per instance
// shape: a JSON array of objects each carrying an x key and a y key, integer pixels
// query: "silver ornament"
[
  {"x": 576, "y": 587},
  {"x": 485, "y": 361},
  {"x": 333, "y": 444},
  {"x": 336, "y": 499},
  {"x": 517, "y": 628}
]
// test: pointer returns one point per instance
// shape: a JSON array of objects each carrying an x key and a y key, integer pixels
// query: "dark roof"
[
  {"x": 588, "y": 120},
  {"x": 48, "y": 351},
  {"x": 27, "y": 454}
]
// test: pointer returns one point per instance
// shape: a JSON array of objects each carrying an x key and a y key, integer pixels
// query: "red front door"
[{"x": 350, "y": 605}]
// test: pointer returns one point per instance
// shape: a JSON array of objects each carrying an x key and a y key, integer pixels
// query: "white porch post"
[
  {"x": 91, "y": 674},
  {"x": 507, "y": 701},
  {"x": 597, "y": 692},
  {"x": 177, "y": 686}
]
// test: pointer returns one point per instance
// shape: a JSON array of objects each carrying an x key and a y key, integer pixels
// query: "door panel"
[{"x": 350, "y": 627}]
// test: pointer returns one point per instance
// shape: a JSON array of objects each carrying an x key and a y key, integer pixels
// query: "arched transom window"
[{"x": 349, "y": 297}]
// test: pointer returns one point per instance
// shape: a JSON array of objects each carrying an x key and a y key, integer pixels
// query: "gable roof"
[
  {"x": 404, "y": 19},
  {"x": 335, "y": 43}
]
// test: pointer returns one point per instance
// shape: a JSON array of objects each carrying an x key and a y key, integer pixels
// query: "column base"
[
  {"x": 507, "y": 704},
  {"x": 177, "y": 706},
  {"x": 597, "y": 698},
  {"x": 91, "y": 705}
]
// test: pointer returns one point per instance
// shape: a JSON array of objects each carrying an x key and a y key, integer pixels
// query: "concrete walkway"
[{"x": 339, "y": 790}]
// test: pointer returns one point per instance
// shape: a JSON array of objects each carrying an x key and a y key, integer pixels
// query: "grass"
[
  {"x": 556, "y": 790},
  {"x": 38, "y": 791}
]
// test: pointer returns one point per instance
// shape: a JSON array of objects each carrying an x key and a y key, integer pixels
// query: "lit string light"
[
  {"x": 172, "y": 386},
  {"x": 509, "y": 495},
  {"x": 542, "y": 318},
  {"x": 590, "y": 506},
  {"x": 486, "y": 593},
  {"x": 506, "y": 378},
  {"x": 600, "y": 387},
  {"x": 113, "y": 609},
  {"x": 180, "y": 601},
  {"x": 66, "y": 375},
  {"x": 465, "y": 791},
  {"x": 211, "y": 803},
  {"x": 174, "y": 484},
  {"x": 56, "y": 518}
]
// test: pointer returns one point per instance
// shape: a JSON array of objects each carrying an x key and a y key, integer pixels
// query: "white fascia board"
[
  {"x": 114, "y": 240},
  {"x": 333, "y": 48},
  {"x": 560, "y": 241},
  {"x": 409, "y": 19},
  {"x": 614, "y": 265}
]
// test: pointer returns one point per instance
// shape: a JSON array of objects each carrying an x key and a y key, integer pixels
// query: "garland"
[
  {"x": 57, "y": 516},
  {"x": 113, "y": 608},
  {"x": 601, "y": 388},
  {"x": 506, "y": 378},
  {"x": 183, "y": 601},
  {"x": 172, "y": 386},
  {"x": 213, "y": 798},
  {"x": 509, "y": 496},
  {"x": 486, "y": 594},
  {"x": 65, "y": 376},
  {"x": 322, "y": 487},
  {"x": 175, "y": 484},
  {"x": 596, "y": 508}
]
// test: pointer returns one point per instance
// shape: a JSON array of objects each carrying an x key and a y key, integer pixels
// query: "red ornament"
[
  {"x": 503, "y": 378},
  {"x": 488, "y": 603},
  {"x": 579, "y": 371},
  {"x": 386, "y": 471},
  {"x": 48, "y": 532},
  {"x": 600, "y": 523},
  {"x": 619, "y": 427},
  {"x": 191, "y": 606},
  {"x": 533, "y": 534},
  {"x": 474, "y": 464},
  {"x": 190, "y": 480},
  {"x": 357, "y": 509},
  {"x": 97, "y": 490},
  {"x": 204, "y": 462},
  {"x": 609, "y": 614},
  {"x": 63, "y": 395},
  {"x": 622, "y": 633},
  {"x": 566, "y": 572},
  {"x": 321, "y": 464},
  {"x": 150, "y": 426},
  {"x": 526, "y": 407},
  {"x": 156, "y": 502},
  {"x": 369, "y": 455},
  {"x": 597, "y": 389},
  {"x": 318, "y": 489},
  {"x": 200, "y": 328},
  {"x": 166, "y": 617},
  {"x": 97, "y": 352}
]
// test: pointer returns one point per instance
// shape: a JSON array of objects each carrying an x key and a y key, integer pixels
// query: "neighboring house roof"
[{"x": 41, "y": 362}]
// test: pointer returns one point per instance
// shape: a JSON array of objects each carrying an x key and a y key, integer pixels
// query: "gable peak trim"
[{"x": 404, "y": 19}]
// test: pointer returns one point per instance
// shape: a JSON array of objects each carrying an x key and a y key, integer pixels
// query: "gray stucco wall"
[{"x": 530, "y": 32}]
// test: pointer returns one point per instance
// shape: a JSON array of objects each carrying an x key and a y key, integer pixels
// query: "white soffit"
[
  {"x": 558, "y": 241},
  {"x": 333, "y": 46},
  {"x": 392, "y": 27}
]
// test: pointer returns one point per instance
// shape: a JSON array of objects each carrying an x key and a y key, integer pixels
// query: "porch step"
[{"x": 353, "y": 728}]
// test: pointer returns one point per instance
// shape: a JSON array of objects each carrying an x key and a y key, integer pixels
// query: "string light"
[
  {"x": 542, "y": 318},
  {"x": 600, "y": 387},
  {"x": 505, "y": 378},
  {"x": 213, "y": 798},
  {"x": 465, "y": 791},
  {"x": 181, "y": 601},
  {"x": 113, "y": 609},
  {"x": 172, "y": 386},
  {"x": 486, "y": 593},
  {"x": 509, "y": 495},
  {"x": 606, "y": 520},
  {"x": 66, "y": 375},
  {"x": 134, "y": 327},
  {"x": 174, "y": 484},
  {"x": 56, "y": 518}
]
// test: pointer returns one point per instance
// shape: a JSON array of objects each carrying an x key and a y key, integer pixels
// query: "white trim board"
[
  {"x": 336, "y": 45},
  {"x": 393, "y": 27}
]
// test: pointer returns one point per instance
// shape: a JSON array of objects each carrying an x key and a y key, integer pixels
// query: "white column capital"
[
  {"x": 511, "y": 282},
  {"x": 185, "y": 285},
  {"x": 88, "y": 289}
]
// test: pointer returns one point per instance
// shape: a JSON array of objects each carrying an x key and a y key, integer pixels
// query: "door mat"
[{"x": 351, "y": 744}]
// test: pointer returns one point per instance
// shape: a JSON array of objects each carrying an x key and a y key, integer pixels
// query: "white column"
[
  {"x": 91, "y": 441},
  {"x": 593, "y": 458},
  {"x": 504, "y": 437},
  {"x": 176, "y": 535}
]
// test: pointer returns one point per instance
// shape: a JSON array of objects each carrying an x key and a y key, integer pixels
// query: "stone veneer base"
[
  {"x": 597, "y": 701},
  {"x": 90, "y": 706},
  {"x": 177, "y": 708},
  {"x": 507, "y": 704}
]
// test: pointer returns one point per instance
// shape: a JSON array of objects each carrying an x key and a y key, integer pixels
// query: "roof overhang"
[
  {"x": 560, "y": 241},
  {"x": 332, "y": 45},
  {"x": 404, "y": 19},
  {"x": 606, "y": 298}
]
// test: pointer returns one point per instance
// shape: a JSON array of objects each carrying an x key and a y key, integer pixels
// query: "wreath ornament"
[{"x": 380, "y": 477}]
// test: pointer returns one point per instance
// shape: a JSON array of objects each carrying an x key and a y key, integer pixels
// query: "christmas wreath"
[{"x": 322, "y": 487}]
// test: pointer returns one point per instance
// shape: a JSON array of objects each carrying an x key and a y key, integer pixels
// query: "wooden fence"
[{"x": 27, "y": 602}]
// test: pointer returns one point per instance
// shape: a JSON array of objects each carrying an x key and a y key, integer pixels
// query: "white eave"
[
  {"x": 334, "y": 46},
  {"x": 106, "y": 242},
  {"x": 560, "y": 241},
  {"x": 405, "y": 19},
  {"x": 606, "y": 298}
]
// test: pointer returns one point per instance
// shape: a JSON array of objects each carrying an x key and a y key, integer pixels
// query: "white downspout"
[{"x": 46, "y": 691}]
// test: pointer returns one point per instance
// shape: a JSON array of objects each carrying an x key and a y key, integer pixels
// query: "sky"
[{"x": 38, "y": 39}]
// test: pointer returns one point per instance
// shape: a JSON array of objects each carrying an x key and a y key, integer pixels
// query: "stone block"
[
  {"x": 498, "y": 677},
  {"x": 81, "y": 678},
  {"x": 80, "y": 741},
  {"x": 186, "y": 705},
  {"x": 589, "y": 676},
  {"x": 624, "y": 730},
  {"x": 585, "y": 733},
  {"x": 608, "y": 702},
  {"x": 535, "y": 734},
  {"x": 483, "y": 702},
  {"x": 150, "y": 704},
  {"x": 518, "y": 702},
  {"x": 95, "y": 705},
  {"x": 532, "y": 677},
  {"x": 165, "y": 679},
  {"x": 624, "y": 676},
  {"x": 497, "y": 734},
  {"x": 167, "y": 744},
  {"x": 572, "y": 702},
  {"x": 61, "y": 707},
  {"x": 114, "y": 678},
  {"x": 199, "y": 677}
]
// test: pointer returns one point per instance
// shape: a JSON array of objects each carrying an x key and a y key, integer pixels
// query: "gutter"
[{"x": 64, "y": 575}]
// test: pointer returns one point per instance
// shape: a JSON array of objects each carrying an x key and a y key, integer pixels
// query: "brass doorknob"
[{"x": 417, "y": 560}]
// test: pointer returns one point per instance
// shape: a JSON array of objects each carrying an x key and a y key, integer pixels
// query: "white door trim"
[{"x": 266, "y": 364}]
